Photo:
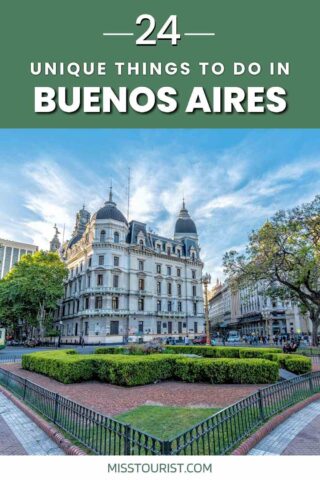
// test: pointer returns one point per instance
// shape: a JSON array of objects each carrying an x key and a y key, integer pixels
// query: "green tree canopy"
[
  {"x": 285, "y": 254},
  {"x": 30, "y": 291}
]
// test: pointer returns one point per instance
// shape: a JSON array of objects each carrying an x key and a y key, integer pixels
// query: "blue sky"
[{"x": 232, "y": 180}]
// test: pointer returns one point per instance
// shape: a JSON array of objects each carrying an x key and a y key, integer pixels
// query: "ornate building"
[{"x": 125, "y": 281}]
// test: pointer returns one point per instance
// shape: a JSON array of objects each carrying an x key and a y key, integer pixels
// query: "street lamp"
[
  {"x": 206, "y": 279},
  {"x": 60, "y": 328}
]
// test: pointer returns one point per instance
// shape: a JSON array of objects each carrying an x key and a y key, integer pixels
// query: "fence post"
[
  {"x": 24, "y": 389},
  {"x": 127, "y": 439},
  {"x": 55, "y": 408},
  {"x": 261, "y": 409},
  {"x": 311, "y": 383},
  {"x": 166, "y": 447}
]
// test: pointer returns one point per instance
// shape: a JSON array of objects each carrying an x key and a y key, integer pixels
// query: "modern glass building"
[{"x": 11, "y": 252}]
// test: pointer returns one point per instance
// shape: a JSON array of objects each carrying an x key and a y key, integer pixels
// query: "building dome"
[
  {"x": 110, "y": 211},
  {"x": 184, "y": 224}
]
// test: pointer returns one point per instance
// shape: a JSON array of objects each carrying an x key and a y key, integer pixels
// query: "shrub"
[
  {"x": 297, "y": 364},
  {"x": 110, "y": 350},
  {"x": 130, "y": 371},
  {"x": 61, "y": 366},
  {"x": 226, "y": 370},
  {"x": 222, "y": 352}
]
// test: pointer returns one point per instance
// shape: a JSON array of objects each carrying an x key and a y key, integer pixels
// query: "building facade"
[
  {"x": 127, "y": 282},
  {"x": 248, "y": 309},
  {"x": 11, "y": 252}
]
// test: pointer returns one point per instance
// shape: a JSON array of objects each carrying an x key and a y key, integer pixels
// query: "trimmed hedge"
[
  {"x": 110, "y": 350},
  {"x": 140, "y": 370},
  {"x": 222, "y": 352},
  {"x": 226, "y": 370},
  {"x": 131, "y": 371}
]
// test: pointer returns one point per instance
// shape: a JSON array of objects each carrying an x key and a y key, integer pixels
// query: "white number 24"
[{"x": 170, "y": 24}]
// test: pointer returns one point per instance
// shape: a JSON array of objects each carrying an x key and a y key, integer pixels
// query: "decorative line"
[
  {"x": 199, "y": 34},
  {"x": 117, "y": 34}
]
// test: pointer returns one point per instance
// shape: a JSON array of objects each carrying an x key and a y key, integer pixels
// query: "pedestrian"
[{"x": 186, "y": 340}]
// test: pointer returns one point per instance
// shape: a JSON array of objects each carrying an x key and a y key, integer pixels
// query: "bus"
[{"x": 2, "y": 338}]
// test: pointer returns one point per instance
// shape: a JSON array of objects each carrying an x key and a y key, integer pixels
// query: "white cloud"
[{"x": 224, "y": 196}]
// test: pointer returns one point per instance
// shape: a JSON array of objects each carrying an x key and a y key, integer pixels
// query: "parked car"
[
  {"x": 233, "y": 337},
  {"x": 32, "y": 342},
  {"x": 171, "y": 341},
  {"x": 199, "y": 340}
]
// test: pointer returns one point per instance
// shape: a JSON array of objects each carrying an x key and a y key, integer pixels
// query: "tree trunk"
[{"x": 315, "y": 326}]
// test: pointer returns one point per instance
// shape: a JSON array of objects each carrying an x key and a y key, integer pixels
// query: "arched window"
[
  {"x": 102, "y": 236},
  {"x": 141, "y": 242},
  {"x": 116, "y": 237}
]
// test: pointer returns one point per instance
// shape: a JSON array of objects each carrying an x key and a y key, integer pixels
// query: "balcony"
[{"x": 104, "y": 289}]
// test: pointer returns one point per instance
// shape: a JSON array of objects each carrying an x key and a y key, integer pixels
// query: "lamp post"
[
  {"x": 206, "y": 279},
  {"x": 60, "y": 328}
]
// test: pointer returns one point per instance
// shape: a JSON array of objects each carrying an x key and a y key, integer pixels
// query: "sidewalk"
[
  {"x": 298, "y": 435},
  {"x": 20, "y": 436}
]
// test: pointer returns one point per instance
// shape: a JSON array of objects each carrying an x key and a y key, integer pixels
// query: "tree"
[
  {"x": 285, "y": 254},
  {"x": 30, "y": 291}
]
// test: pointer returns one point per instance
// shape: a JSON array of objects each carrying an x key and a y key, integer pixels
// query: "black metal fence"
[
  {"x": 10, "y": 358},
  {"x": 216, "y": 435}
]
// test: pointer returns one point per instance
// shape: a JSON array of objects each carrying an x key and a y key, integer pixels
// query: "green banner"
[{"x": 167, "y": 64}]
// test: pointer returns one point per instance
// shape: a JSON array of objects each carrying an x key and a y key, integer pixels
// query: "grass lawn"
[{"x": 165, "y": 422}]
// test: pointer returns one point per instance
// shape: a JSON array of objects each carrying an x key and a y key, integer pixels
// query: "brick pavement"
[
  {"x": 9, "y": 444},
  {"x": 298, "y": 435},
  {"x": 20, "y": 435},
  {"x": 111, "y": 399}
]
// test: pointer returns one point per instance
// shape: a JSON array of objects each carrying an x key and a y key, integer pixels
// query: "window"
[
  {"x": 115, "y": 303},
  {"x": 169, "y": 288},
  {"x": 195, "y": 327},
  {"x": 115, "y": 281},
  {"x": 179, "y": 327},
  {"x": 169, "y": 327},
  {"x": 158, "y": 247},
  {"x": 116, "y": 237},
  {"x": 116, "y": 261},
  {"x": 140, "y": 265},
  {"x": 168, "y": 270},
  {"x": 159, "y": 328},
  {"x": 114, "y": 327},
  {"x": 90, "y": 262},
  {"x": 100, "y": 279},
  {"x": 141, "y": 304},
  {"x": 81, "y": 267},
  {"x": 194, "y": 308},
  {"x": 88, "y": 281},
  {"x": 179, "y": 252},
  {"x": 179, "y": 307},
  {"x": 76, "y": 330},
  {"x": 102, "y": 236},
  {"x": 86, "y": 328},
  {"x": 169, "y": 306},
  {"x": 77, "y": 270},
  {"x": 194, "y": 290},
  {"x": 86, "y": 303},
  {"x": 158, "y": 268},
  {"x": 140, "y": 326},
  {"x": 178, "y": 272},
  {"x": 101, "y": 259},
  {"x": 98, "y": 302},
  {"x": 141, "y": 242},
  {"x": 141, "y": 283},
  {"x": 158, "y": 305},
  {"x": 193, "y": 273},
  {"x": 193, "y": 257},
  {"x": 159, "y": 288},
  {"x": 179, "y": 289},
  {"x": 168, "y": 251}
]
